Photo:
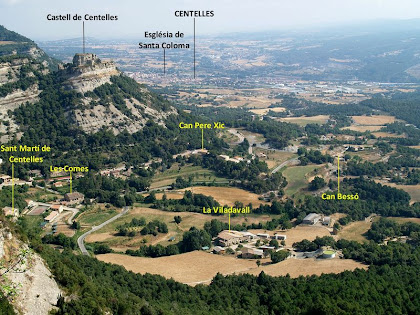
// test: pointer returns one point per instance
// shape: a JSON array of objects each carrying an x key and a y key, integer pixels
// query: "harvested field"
[
  {"x": 227, "y": 195},
  {"x": 264, "y": 111},
  {"x": 308, "y": 267},
  {"x": 354, "y": 231},
  {"x": 200, "y": 267},
  {"x": 404, "y": 220},
  {"x": 363, "y": 128},
  {"x": 98, "y": 237},
  {"x": 301, "y": 232},
  {"x": 189, "y": 268},
  {"x": 377, "y": 120},
  {"x": 303, "y": 121},
  {"x": 387, "y": 135},
  {"x": 66, "y": 230},
  {"x": 170, "y": 195}
]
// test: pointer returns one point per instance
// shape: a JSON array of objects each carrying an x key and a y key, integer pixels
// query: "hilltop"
[
  {"x": 12, "y": 43},
  {"x": 102, "y": 97}
]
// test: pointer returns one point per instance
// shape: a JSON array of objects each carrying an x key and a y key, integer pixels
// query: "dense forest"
[
  {"x": 401, "y": 105},
  {"x": 47, "y": 123},
  {"x": 246, "y": 175}
]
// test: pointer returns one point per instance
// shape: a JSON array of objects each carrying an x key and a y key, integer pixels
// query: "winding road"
[
  {"x": 294, "y": 161},
  {"x": 81, "y": 239}
]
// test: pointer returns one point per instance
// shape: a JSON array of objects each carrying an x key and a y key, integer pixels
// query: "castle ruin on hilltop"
[{"x": 87, "y": 72}]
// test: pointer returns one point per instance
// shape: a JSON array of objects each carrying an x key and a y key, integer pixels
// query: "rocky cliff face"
[
  {"x": 87, "y": 73},
  {"x": 37, "y": 291},
  {"x": 93, "y": 119},
  {"x": 105, "y": 98},
  {"x": 17, "y": 86}
]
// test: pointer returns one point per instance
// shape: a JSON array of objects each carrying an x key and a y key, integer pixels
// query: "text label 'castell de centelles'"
[{"x": 223, "y": 210}]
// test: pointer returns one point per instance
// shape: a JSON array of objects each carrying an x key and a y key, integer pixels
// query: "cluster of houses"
[
  {"x": 70, "y": 199},
  {"x": 7, "y": 180},
  {"x": 117, "y": 172},
  {"x": 37, "y": 208},
  {"x": 226, "y": 239},
  {"x": 235, "y": 159}
]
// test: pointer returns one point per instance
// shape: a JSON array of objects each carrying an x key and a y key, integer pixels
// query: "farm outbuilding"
[
  {"x": 51, "y": 216},
  {"x": 252, "y": 253},
  {"x": 326, "y": 220},
  {"x": 311, "y": 218},
  {"x": 218, "y": 250},
  {"x": 279, "y": 237}
]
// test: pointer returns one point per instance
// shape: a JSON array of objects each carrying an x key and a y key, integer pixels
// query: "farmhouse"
[
  {"x": 311, "y": 218},
  {"x": 51, "y": 216},
  {"x": 250, "y": 253},
  {"x": 74, "y": 198},
  {"x": 228, "y": 238}
]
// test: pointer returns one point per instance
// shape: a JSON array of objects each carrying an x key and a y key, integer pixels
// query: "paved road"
[
  {"x": 237, "y": 134},
  {"x": 154, "y": 189},
  {"x": 294, "y": 161},
  {"x": 47, "y": 189},
  {"x": 75, "y": 211},
  {"x": 242, "y": 138},
  {"x": 81, "y": 239}
]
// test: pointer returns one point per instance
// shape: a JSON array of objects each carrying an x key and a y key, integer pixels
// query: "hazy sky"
[{"x": 29, "y": 17}]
